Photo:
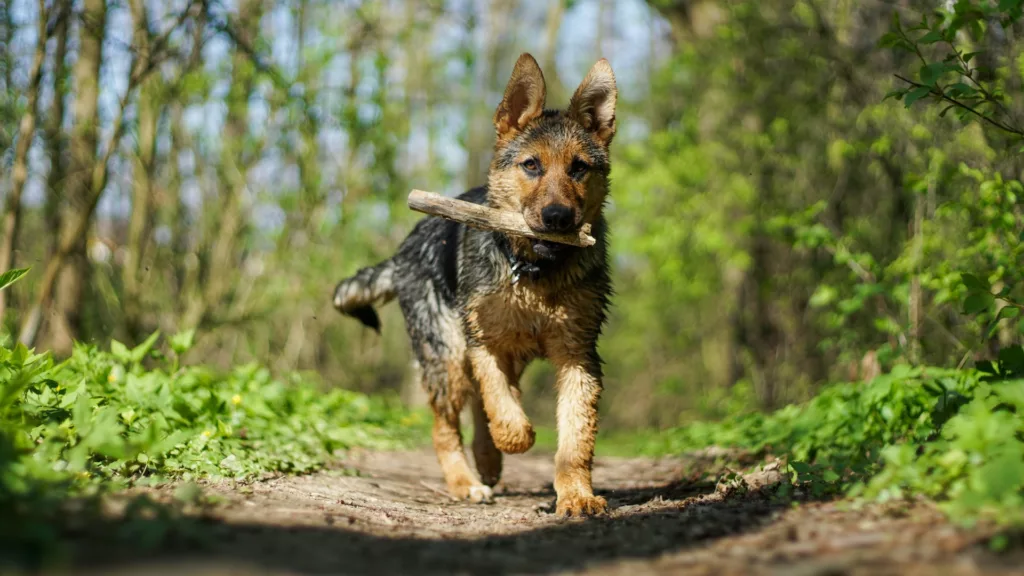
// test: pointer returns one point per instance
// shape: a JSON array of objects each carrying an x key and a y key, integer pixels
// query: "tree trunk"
[
  {"x": 556, "y": 13},
  {"x": 310, "y": 178},
  {"x": 64, "y": 324},
  {"x": 481, "y": 132},
  {"x": 7, "y": 62},
  {"x": 19, "y": 172},
  {"x": 65, "y": 273},
  {"x": 56, "y": 145},
  {"x": 232, "y": 172},
  {"x": 142, "y": 177},
  {"x": 916, "y": 293}
]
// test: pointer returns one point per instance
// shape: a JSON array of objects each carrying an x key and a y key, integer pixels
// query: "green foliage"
[
  {"x": 102, "y": 415},
  {"x": 975, "y": 468},
  {"x": 946, "y": 74},
  {"x": 955, "y": 436},
  {"x": 103, "y": 420}
]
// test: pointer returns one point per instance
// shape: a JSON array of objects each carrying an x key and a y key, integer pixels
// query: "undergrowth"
[
  {"x": 953, "y": 435},
  {"x": 104, "y": 420}
]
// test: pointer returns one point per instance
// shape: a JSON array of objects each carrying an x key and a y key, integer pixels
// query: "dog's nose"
[{"x": 557, "y": 218}]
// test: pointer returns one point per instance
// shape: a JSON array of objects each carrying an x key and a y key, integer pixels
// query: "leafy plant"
[
  {"x": 952, "y": 435},
  {"x": 102, "y": 420}
]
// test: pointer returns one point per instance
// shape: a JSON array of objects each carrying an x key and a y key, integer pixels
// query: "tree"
[
  {"x": 26, "y": 133},
  {"x": 235, "y": 159},
  {"x": 73, "y": 268}
]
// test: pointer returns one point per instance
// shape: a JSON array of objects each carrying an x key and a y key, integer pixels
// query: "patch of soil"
[{"x": 393, "y": 517}]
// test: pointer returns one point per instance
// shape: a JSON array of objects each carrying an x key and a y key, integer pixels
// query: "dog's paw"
[
  {"x": 513, "y": 438},
  {"x": 579, "y": 505},
  {"x": 480, "y": 494},
  {"x": 476, "y": 493}
]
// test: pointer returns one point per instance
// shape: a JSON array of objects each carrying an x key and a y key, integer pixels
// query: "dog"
[{"x": 480, "y": 305}]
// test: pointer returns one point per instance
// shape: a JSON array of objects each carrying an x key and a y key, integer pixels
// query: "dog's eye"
[
  {"x": 530, "y": 165},
  {"x": 578, "y": 168}
]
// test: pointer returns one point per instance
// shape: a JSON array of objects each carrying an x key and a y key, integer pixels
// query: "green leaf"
[
  {"x": 800, "y": 467},
  {"x": 930, "y": 73},
  {"x": 1007, "y": 5},
  {"x": 139, "y": 352},
  {"x": 897, "y": 94},
  {"x": 1008, "y": 312},
  {"x": 978, "y": 302},
  {"x": 915, "y": 94},
  {"x": 120, "y": 352},
  {"x": 972, "y": 282},
  {"x": 823, "y": 296},
  {"x": 931, "y": 37},
  {"x": 985, "y": 366},
  {"x": 182, "y": 342},
  {"x": 12, "y": 276},
  {"x": 961, "y": 90},
  {"x": 1004, "y": 313},
  {"x": 889, "y": 40},
  {"x": 1011, "y": 359},
  {"x": 970, "y": 56}
]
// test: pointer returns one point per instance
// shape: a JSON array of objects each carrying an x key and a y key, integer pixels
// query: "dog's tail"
[{"x": 355, "y": 296}]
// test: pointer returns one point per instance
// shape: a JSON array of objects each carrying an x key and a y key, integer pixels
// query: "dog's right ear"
[{"x": 524, "y": 98}]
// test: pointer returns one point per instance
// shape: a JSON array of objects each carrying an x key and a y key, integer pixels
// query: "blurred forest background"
[{"x": 220, "y": 166}]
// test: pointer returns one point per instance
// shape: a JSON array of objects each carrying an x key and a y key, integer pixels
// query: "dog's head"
[{"x": 552, "y": 165}]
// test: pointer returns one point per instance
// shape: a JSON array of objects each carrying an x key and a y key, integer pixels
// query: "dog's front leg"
[
  {"x": 579, "y": 388},
  {"x": 509, "y": 426}
]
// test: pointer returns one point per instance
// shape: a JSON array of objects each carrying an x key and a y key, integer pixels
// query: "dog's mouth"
[{"x": 548, "y": 250}]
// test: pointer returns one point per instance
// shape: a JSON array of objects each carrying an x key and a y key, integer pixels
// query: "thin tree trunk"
[
  {"x": 71, "y": 273},
  {"x": 310, "y": 178},
  {"x": 142, "y": 177},
  {"x": 480, "y": 133},
  {"x": 602, "y": 17},
  {"x": 56, "y": 145},
  {"x": 916, "y": 293},
  {"x": 7, "y": 61},
  {"x": 86, "y": 180},
  {"x": 232, "y": 174},
  {"x": 556, "y": 13},
  {"x": 19, "y": 172}
]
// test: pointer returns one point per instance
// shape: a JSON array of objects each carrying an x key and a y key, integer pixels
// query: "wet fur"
[{"x": 473, "y": 330}]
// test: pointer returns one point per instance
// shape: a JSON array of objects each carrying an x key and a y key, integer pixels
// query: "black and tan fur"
[{"x": 475, "y": 324}]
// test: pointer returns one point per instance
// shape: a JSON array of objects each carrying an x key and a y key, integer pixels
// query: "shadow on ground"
[{"x": 630, "y": 532}]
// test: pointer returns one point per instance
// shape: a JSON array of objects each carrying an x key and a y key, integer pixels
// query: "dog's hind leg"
[
  {"x": 485, "y": 454},
  {"x": 447, "y": 405}
]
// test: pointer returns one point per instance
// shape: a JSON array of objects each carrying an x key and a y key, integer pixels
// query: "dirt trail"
[{"x": 394, "y": 518}]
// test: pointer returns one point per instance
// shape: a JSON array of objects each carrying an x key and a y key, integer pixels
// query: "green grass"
[{"x": 102, "y": 421}]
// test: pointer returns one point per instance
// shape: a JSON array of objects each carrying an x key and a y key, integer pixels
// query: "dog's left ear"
[{"x": 593, "y": 104}]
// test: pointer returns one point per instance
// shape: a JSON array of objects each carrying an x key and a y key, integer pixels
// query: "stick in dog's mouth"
[{"x": 488, "y": 218}]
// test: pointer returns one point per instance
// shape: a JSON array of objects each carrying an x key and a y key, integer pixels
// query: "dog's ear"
[
  {"x": 524, "y": 98},
  {"x": 593, "y": 104}
]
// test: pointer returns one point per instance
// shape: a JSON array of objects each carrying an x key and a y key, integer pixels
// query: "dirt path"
[{"x": 393, "y": 518}]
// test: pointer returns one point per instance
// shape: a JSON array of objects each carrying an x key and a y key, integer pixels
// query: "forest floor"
[{"x": 387, "y": 513}]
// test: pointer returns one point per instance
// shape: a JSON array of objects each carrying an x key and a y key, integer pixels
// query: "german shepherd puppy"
[{"x": 480, "y": 305}]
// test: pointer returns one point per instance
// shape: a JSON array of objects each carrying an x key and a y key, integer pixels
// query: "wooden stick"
[{"x": 487, "y": 218}]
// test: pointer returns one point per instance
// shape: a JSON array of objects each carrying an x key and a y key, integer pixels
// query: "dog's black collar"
[{"x": 520, "y": 267}]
